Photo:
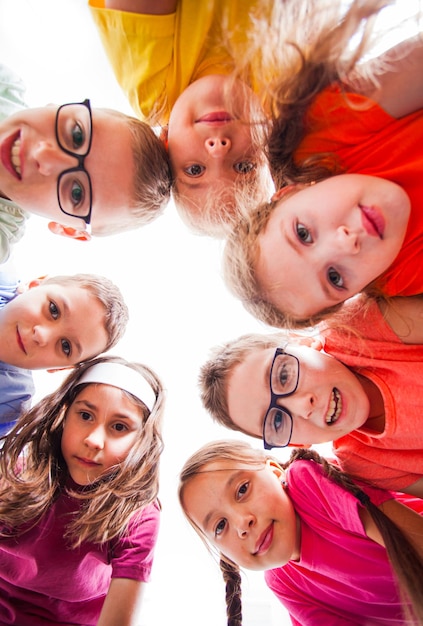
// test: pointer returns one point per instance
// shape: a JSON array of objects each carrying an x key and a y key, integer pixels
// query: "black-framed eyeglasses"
[
  {"x": 283, "y": 381},
  {"x": 74, "y": 134}
]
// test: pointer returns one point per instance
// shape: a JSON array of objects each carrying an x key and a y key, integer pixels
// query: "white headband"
[{"x": 123, "y": 377}]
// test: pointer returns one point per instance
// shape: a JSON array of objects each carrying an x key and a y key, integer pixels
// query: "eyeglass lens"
[{"x": 74, "y": 137}]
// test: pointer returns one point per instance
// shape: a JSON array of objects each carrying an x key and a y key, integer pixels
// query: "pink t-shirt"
[
  {"x": 343, "y": 578},
  {"x": 43, "y": 582}
]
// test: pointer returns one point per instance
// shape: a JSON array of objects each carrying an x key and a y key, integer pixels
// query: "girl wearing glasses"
[
  {"x": 79, "y": 513},
  {"x": 358, "y": 384},
  {"x": 334, "y": 551}
]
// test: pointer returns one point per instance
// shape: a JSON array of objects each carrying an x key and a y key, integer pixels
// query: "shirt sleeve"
[
  {"x": 16, "y": 391},
  {"x": 133, "y": 554},
  {"x": 301, "y": 606},
  {"x": 140, "y": 50}
]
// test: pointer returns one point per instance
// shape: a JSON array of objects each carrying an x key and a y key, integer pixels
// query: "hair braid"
[{"x": 232, "y": 578}]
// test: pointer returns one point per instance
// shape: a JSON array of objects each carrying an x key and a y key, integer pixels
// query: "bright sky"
[{"x": 171, "y": 282}]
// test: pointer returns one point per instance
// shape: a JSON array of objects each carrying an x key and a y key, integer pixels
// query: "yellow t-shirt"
[{"x": 155, "y": 57}]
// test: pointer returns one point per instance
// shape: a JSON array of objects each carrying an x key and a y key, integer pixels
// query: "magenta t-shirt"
[
  {"x": 343, "y": 578},
  {"x": 42, "y": 581}
]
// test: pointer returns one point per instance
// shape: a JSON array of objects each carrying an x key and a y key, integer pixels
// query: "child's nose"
[
  {"x": 51, "y": 160},
  {"x": 41, "y": 335},
  {"x": 302, "y": 404},
  {"x": 218, "y": 146},
  {"x": 243, "y": 523},
  {"x": 95, "y": 438},
  {"x": 348, "y": 240}
]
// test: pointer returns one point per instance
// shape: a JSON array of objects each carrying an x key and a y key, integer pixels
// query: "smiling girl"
[
  {"x": 335, "y": 552},
  {"x": 79, "y": 513}
]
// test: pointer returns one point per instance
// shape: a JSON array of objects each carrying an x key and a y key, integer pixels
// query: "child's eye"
[
  {"x": 194, "y": 170},
  {"x": 66, "y": 347},
  {"x": 243, "y": 489},
  {"x": 220, "y": 527},
  {"x": 335, "y": 278},
  {"x": 78, "y": 136},
  {"x": 244, "y": 167},
  {"x": 77, "y": 194},
  {"x": 303, "y": 233},
  {"x": 278, "y": 420},
  {"x": 120, "y": 428},
  {"x": 54, "y": 310},
  {"x": 85, "y": 416}
]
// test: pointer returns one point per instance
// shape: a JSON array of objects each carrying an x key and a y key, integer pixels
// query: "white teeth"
[
  {"x": 15, "y": 156},
  {"x": 335, "y": 407}
]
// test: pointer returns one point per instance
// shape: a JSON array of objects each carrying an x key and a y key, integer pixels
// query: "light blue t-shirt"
[{"x": 16, "y": 384}]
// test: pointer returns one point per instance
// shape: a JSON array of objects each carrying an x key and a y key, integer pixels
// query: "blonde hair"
[
  {"x": 28, "y": 491},
  {"x": 152, "y": 179}
]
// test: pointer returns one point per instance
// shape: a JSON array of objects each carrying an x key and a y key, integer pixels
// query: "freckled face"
[
  {"x": 101, "y": 426},
  {"x": 329, "y": 401},
  {"x": 245, "y": 513},
  {"x": 52, "y": 325},
  {"x": 327, "y": 242}
]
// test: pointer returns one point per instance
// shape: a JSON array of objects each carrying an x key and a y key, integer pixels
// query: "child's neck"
[{"x": 376, "y": 419}]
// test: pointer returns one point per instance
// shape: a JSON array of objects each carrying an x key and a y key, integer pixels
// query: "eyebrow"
[{"x": 94, "y": 407}]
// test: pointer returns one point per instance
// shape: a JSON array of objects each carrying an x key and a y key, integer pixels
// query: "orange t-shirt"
[
  {"x": 392, "y": 459},
  {"x": 367, "y": 140}
]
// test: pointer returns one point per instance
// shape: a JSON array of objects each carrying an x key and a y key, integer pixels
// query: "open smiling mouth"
[
  {"x": 15, "y": 156},
  {"x": 335, "y": 407}
]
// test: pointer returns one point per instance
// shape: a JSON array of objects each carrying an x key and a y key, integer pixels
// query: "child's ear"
[
  {"x": 276, "y": 468},
  {"x": 69, "y": 231},
  {"x": 35, "y": 282},
  {"x": 316, "y": 342}
]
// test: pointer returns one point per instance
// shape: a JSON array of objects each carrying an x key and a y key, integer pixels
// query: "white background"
[{"x": 179, "y": 307}]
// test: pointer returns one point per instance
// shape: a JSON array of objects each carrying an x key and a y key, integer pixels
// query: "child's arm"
[
  {"x": 122, "y": 604},
  {"x": 400, "y": 90},
  {"x": 416, "y": 489},
  {"x": 405, "y": 316},
  {"x": 145, "y": 7}
]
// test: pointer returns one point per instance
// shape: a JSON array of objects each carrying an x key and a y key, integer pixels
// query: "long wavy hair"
[
  {"x": 406, "y": 562},
  {"x": 34, "y": 473}
]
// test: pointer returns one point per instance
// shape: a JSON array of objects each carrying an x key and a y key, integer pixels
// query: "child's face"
[
  {"x": 50, "y": 326},
  {"x": 208, "y": 148},
  {"x": 31, "y": 162},
  {"x": 327, "y": 242},
  {"x": 101, "y": 426},
  {"x": 328, "y": 403},
  {"x": 245, "y": 513}
]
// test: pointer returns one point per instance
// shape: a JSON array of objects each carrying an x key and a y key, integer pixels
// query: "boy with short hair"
[
  {"x": 86, "y": 170},
  {"x": 57, "y": 322},
  {"x": 358, "y": 384}
]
